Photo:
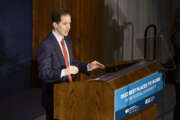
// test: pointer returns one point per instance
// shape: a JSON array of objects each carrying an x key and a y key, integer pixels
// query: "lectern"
[{"x": 123, "y": 90}]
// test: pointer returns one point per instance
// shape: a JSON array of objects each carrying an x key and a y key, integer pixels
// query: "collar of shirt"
[{"x": 58, "y": 37}]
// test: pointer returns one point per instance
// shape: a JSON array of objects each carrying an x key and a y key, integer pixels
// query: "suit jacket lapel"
[{"x": 57, "y": 49}]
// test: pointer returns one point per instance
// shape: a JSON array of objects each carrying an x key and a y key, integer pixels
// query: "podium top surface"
[
  {"x": 124, "y": 74},
  {"x": 107, "y": 76}
]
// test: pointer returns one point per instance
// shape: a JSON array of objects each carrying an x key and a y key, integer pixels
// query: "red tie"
[{"x": 66, "y": 58}]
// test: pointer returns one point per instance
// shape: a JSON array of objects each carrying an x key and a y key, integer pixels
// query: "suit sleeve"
[{"x": 46, "y": 71}]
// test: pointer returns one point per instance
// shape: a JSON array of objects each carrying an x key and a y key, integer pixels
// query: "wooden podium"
[{"x": 94, "y": 99}]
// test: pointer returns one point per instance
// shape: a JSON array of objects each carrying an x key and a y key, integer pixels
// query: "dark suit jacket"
[{"x": 51, "y": 62}]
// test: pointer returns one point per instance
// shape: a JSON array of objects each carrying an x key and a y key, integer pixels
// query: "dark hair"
[{"x": 56, "y": 15}]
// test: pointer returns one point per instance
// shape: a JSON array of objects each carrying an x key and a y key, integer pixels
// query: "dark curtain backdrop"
[{"x": 15, "y": 46}]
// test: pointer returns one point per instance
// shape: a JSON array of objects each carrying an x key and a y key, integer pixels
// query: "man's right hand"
[{"x": 71, "y": 70}]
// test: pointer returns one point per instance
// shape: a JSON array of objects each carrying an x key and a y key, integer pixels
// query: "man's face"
[{"x": 63, "y": 27}]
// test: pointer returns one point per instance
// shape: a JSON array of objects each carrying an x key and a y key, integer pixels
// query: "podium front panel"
[{"x": 138, "y": 95}]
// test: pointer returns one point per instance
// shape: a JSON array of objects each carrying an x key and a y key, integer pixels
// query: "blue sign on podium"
[{"x": 138, "y": 95}]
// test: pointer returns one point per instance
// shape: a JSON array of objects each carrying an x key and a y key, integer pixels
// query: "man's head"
[{"x": 61, "y": 20}]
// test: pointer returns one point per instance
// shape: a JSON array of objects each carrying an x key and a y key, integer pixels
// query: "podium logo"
[
  {"x": 149, "y": 100},
  {"x": 131, "y": 109}
]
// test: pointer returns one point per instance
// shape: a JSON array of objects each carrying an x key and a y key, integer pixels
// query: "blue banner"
[{"x": 138, "y": 95}]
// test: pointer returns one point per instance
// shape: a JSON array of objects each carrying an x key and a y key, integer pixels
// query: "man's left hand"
[{"x": 95, "y": 65}]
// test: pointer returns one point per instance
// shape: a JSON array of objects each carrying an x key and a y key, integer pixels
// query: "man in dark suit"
[{"x": 55, "y": 58}]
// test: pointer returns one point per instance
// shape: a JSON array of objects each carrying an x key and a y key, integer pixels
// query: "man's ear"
[{"x": 54, "y": 25}]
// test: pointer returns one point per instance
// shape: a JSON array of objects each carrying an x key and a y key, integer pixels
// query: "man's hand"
[
  {"x": 71, "y": 70},
  {"x": 95, "y": 65}
]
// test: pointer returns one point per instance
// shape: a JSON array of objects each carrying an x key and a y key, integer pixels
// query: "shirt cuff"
[
  {"x": 62, "y": 73},
  {"x": 88, "y": 69}
]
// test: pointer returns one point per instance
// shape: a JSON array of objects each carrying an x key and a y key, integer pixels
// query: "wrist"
[{"x": 88, "y": 67}]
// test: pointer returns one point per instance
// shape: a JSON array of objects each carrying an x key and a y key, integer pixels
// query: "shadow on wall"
[{"x": 113, "y": 35}]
